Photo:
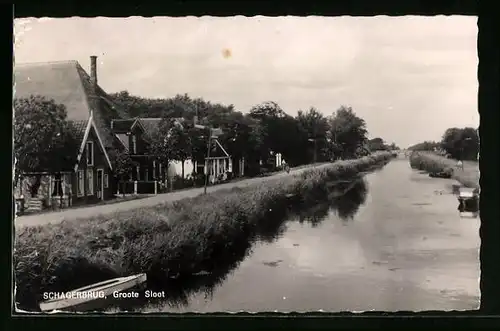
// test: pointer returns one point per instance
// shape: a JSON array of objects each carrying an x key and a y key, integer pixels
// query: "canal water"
[{"x": 393, "y": 242}]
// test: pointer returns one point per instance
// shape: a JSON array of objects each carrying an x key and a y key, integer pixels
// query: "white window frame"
[
  {"x": 90, "y": 147},
  {"x": 106, "y": 180},
  {"x": 134, "y": 144},
  {"x": 80, "y": 183},
  {"x": 90, "y": 181}
]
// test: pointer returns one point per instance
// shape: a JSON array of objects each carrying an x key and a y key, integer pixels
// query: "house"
[
  {"x": 219, "y": 165},
  {"x": 135, "y": 134},
  {"x": 89, "y": 111}
]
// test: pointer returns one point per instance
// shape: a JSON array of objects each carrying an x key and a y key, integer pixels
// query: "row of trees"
[
  {"x": 378, "y": 144},
  {"x": 457, "y": 143},
  {"x": 265, "y": 129}
]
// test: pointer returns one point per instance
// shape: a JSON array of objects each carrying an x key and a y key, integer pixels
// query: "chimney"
[{"x": 93, "y": 70}]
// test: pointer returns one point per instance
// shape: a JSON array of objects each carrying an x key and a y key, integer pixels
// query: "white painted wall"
[
  {"x": 278, "y": 159},
  {"x": 175, "y": 168}
]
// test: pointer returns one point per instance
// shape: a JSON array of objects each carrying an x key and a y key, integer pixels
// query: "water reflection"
[
  {"x": 347, "y": 205},
  {"x": 344, "y": 199}
]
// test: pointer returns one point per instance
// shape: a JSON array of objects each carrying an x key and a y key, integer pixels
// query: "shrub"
[{"x": 434, "y": 163}]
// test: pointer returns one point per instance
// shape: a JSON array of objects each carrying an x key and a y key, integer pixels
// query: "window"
[
  {"x": 90, "y": 153},
  {"x": 106, "y": 181},
  {"x": 134, "y": 144},
  {"x": 80, "y": 183},
  {"x": 57, "y": 189},
  {"x": 90, "y": 182}
]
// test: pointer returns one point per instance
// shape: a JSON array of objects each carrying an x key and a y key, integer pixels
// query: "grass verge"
[
  {"x": 432, "y": 163},
  {"x": 165, "y": 241}
]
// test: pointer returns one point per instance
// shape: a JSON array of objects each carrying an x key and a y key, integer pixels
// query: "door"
[{"x": 100, "y": 184}]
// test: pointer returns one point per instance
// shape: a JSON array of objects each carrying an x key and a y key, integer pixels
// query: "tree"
[
  {"x": 43, "y": 140},
  {"x": 377, "y": 144},
  {"x": 161, "y": 147},
  {"x": 291, "y": 140},
  {"x": 314, "y": 127},
  {"x": 180, "y": 139},
  {"x": 275, "y": 131},
  {"x": 461, "y": 143},
  {"x": 347, "y": 131},
  {"x": 237, "y": 133},
  {"x": 425, "y": 146},
  {"x": 393, "y": 147},
  {"x": 265, "y": 110},
  {"x": 198, "y": 142},
  {"x": 123, "y": 166},
  {"x": 263, "y": 137},
  {"x": 179, "y": 106}
]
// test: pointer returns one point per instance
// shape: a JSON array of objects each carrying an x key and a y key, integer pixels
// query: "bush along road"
[{"x": 167, "y": 240}]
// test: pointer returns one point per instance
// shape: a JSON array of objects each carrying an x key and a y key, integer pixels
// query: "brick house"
[
  {"x": 89, "y": 111},
  {"x": 134, "y": 134}
]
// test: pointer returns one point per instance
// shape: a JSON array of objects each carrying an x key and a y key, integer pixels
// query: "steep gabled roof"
[
  {"x": 78, "y": 129},
  {"x": 149, "y": 125},
  {"x": 123, "y": 139},
  {"x": 67, "y": 83},
  {"x": 217, "y": 149},
  {"x": 91, "y": 125},
  {"x": 122, "y": 125},
  {"x": 60, "y": 81},
  {"x": 107, "y": 109}
]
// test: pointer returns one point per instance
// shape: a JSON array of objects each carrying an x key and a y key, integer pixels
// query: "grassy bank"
[
  {"x": 167, "y": 240},
  {"x": 433, "y": 163}
]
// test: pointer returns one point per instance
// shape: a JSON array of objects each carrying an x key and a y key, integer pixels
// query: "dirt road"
[{"x": 40, "y": 219}]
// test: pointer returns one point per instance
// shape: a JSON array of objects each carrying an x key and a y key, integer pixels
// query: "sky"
[{"x": 410, "y": 77}]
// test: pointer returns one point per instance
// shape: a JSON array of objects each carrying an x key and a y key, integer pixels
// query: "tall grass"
[
  {"x": 433, "y": 163},
  {"x": 168, "y": 240}
]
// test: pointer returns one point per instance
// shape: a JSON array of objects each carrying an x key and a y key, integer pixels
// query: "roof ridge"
[
  {"x": 79, "y": 72},
  {"x": 23, "y": 64}
]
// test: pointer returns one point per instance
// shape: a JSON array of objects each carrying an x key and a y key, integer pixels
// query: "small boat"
[
  {"x": 468, "y": 202},
  {"x": 441, "y": 174},
  {"x": 91, "y": 296}
]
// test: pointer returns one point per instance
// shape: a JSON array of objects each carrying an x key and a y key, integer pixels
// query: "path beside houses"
[{"x": 85, "y": 212}]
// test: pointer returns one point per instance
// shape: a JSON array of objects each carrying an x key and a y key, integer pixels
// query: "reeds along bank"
[
  {"x": 433, "y": 163},
  {"x": 167, "y": 240}
]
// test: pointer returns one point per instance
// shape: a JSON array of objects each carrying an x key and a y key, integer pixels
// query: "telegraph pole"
[
  {"x": 208, "y": 159},
  {"x": 209, "y": 143},
  {"x": 315, "y": 150}
]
